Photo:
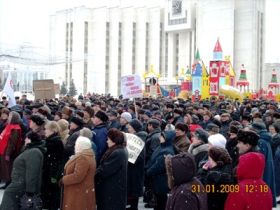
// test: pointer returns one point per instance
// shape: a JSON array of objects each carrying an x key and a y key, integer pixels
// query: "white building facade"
[{"x": 96, "y": 46}]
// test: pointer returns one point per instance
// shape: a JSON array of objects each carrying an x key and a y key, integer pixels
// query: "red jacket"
[{"x": 253, "y": 193}]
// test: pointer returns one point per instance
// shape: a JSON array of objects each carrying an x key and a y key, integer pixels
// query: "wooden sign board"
[
  {"x": 43, "y": 89},
  {"x": 56, "y": 88}
]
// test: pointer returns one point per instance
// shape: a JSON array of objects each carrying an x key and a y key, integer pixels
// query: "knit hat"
[
  {"x": 182, "y": 126},
  {"x": 63, "y": 124},
  {"x": 102, "y": 116},
  {"x": 136, "y": 125},
  {"x": 78, "y": 121},
  {"x": 202, "y": 135},
  {"x": 127, "y": 116},
  {"x": 248, "y": 137},
  {"x": 82, "y": 143},
  {"x": 217, "y": 140},
  {"x": 37, "y": 119}
]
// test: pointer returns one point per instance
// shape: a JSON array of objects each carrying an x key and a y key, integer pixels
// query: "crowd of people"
[{"x": 71, "y": 154}]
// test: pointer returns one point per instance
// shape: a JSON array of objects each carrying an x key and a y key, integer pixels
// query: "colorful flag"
[{"x": 9, "y": 91}]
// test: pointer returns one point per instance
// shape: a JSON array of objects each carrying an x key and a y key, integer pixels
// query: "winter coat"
[
  {"x": 268, "y": 176},
  {"x": 111, "y": 181},
  {"x": 205, "y": 123},
  {"x": 100, "y": 139},
  {"x": 26, "y": 175},
  {"x": 152, "y": 142},
  {"x": 249, "y": 173},
  {"x": 217, "y": 176},
  {"x": 200, "y": 152},
  {"x": 275, "y": 143},
  {"x": 135, "y": 172},
  {"x": 232, "y": 149},
  {"x": 12, "y": 150},
  {"x": 277, "y": 170},
  {"x": 183, "y": 184},
  {"x": 181, "y": 144},
  {"x": 155, "y": 168},
  {"x": 225, "y": 128},
  {"x": 69, "y": 147},
  {"x": 52, "y": 171},
  {"x": 78, "y": 182}
]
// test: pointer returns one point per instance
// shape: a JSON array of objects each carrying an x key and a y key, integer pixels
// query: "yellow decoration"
[
  {"x": 205, "y": 83},
  {"x": 231, "y": 71},
  {"x": 277, "y": 97},
  {"x": 151, "y": 73},
  {"x": 231, "y": 92},
  {"x": 184, "y": 95}
]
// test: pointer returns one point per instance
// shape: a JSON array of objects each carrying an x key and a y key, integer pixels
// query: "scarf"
[{"x": 5, "y": 136}]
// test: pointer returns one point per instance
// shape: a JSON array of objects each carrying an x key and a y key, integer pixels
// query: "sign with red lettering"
[{"x": 131, "y": 86}]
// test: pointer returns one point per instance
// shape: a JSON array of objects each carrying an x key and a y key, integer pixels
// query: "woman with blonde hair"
[
  {"x": 64, "y": 130},
  {"x": 78, "y": 179},
  {"x": 53, "y": 166}
]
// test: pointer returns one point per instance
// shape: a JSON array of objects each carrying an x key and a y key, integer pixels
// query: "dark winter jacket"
[
  {"x": 26, "y": 175},
  {"x": 268, "y": 176},
  {"x": 155, "y": 168},
  {"x": 225, "y": 128},
  {"x": 232, "y": 149},
  {"x": 111, "y": 181},
  {"x": 181, "y": 144},
  {"x": 277, "y": 170},
  {"x": 152, "y": 142},
  {"x": 100, "y": 139},
  {"x": 249, "y": 173},
  {"x": 200, "y": 153},
  {"x": 69, "y": 147},
  {"x": 184, "y": 194},
  {"x": 178, "y": 119},
  {"x": 217, "y": 176},
  {"x": 275, "y": 143},
  {"x": 52, "y": 171},
  {"x": 205, "y": 123},
  {"x": 135, "y": 172}
]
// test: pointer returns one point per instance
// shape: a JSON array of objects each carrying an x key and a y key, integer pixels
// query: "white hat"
[
  {"x": 127, "y": 116},
  {"x": 217, "y": 140},
  {"x": 88, "y": 104}
]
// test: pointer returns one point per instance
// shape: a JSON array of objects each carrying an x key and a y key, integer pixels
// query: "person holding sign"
[{"x": 135, "y": 172}]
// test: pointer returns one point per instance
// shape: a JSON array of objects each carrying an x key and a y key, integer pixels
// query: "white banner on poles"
[
  {"x": 131, "y": 86},
  {"x": 135, "y": 145}
]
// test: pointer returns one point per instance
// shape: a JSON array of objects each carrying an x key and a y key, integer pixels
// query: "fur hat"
[
  {"x": 212, "y": 127},
  {"x": 34, "y": 137},
  {"x": 182, "y": 126},
  {"x": 154, "y": 122},
  {"x": 102, "y": 116},
  {"x": 127, "y": 116},
  {"x": 219, "y": 155},
  {"x": 67, "y": 111},
  {"x": 258, "y": 126},
  {"x": 217, "y": 140},
  {"x": 136, "y": 125},
  {"x": 78, "y": 121},
  {"x": 37, "y": 119},
  {"x": 248, "y": 137}
]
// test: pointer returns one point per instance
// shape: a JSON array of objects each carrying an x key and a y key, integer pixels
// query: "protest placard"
[
  {"x": 131, "y": 86},
  {"x": 43, "y": 89},
  {"x": 135, "y": 145}
]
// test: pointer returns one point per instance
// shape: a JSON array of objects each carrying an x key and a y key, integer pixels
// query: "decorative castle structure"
[
  {"x": 197, "y": 77},
  {"x": 273, "y": 86},
  {"x": 242, "y": 84}
]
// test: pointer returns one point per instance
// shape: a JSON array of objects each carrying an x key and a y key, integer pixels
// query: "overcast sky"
[{"x": 28, "y": 21}]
